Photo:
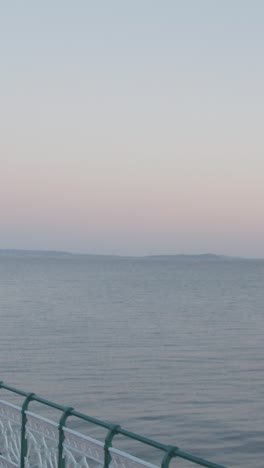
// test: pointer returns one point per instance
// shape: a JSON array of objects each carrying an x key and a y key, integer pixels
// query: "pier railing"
[{"x": 28, "y": 440}]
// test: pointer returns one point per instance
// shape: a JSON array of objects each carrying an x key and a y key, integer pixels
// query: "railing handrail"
[{"x": 113, "y": 429}]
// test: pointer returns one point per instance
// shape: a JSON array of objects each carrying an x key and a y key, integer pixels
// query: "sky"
[{"x": 132, "y": 127}]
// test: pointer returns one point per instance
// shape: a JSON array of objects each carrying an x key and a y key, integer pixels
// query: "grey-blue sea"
[{"x": 171, "y": 348}]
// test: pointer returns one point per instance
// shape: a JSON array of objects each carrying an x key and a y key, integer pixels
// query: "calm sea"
[{"x": 170, "y": 348}]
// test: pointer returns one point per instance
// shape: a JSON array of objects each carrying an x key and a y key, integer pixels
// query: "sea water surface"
[{"x": 171, "y": 348}]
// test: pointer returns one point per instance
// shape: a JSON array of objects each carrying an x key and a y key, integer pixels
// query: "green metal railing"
[{"x": 169, "y": 452}]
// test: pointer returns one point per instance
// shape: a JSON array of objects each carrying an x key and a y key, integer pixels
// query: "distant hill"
[
  {"x": 51, "y": 253},
  {"x": 204, "y": 256},
  {"x": 167, "y": 257},
  {"x": 22, "y": 252}
]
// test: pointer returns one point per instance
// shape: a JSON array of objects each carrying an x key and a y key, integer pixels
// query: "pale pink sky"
[{"x": 132, "y": 133}]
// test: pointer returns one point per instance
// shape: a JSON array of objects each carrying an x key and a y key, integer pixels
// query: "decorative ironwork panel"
[
  {"x": 10, "y": 434},
  {"x": 82, "y": 451},
  {"x": 42, "y": 436},
  {"x": 7, "y": 464},
  {"x": 42, "y": 442}
]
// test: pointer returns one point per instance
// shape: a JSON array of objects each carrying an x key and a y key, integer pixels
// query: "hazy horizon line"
[{"x": 65, "y": 252}]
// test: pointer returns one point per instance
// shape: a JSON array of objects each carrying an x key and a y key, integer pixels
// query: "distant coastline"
[
  {"x": 25, "y": 252},
  {"x": 168, "y": 257}
]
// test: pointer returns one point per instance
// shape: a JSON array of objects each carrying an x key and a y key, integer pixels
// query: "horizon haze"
[{"x": 201, "y": 255}]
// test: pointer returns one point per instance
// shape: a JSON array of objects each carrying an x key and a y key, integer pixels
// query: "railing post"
[
  {"x": 108, "y": 443},
  {"x": 23, "y": 449},
  {"x": 65, "y": 415},
  {"x": 169, "y": 454}
]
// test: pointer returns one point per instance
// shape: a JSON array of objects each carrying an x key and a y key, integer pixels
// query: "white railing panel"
[
  {"x": 82, "y": 451},
  {"x": 42, "y": 436},
  {"x": 10, "y": 434}
]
